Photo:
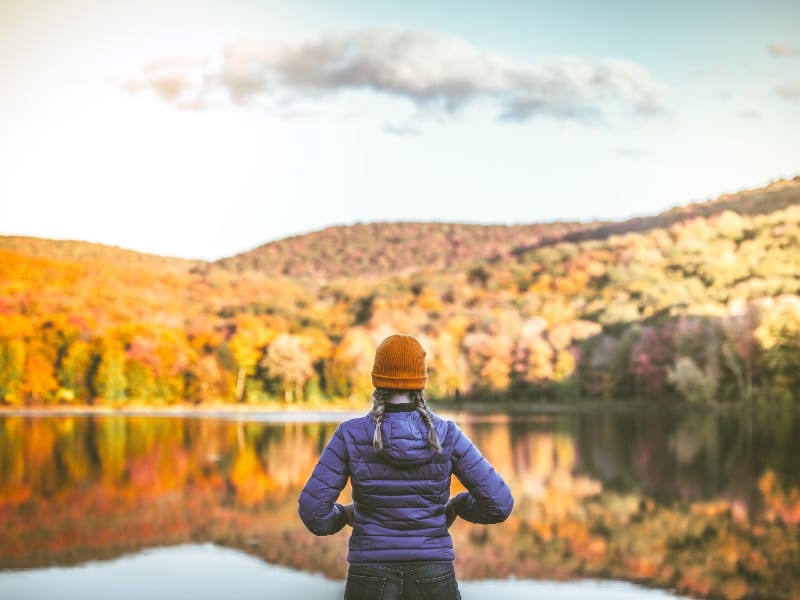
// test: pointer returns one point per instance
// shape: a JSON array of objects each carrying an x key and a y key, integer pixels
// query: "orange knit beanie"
[{"x": 399, "y": 364}]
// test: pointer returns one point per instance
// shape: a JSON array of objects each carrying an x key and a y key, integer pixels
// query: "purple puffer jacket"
[{"x": 400, "y": 495}]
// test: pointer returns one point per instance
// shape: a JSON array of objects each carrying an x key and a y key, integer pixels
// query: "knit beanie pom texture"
[{"x": 399, "y": 364}]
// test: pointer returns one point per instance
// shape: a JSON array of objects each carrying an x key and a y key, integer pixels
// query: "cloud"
[
  {"x": 178, "y": 79},
  {"x": 404, "y": 129},
  {"x": 438, "y": 74},
  {"x": 789, "y": 91},
  {"x": 630, "y": 152},
  {"x": 782, "y": 50},
  {"x": 749, "y": 114}
]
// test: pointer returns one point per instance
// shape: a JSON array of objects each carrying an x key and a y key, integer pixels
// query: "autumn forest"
[{"x": 699, "y": 304}]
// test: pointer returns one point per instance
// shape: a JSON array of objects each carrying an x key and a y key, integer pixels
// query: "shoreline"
[
  {"x": 344, "y": 411},
  {"x": 206, "y": 570}
]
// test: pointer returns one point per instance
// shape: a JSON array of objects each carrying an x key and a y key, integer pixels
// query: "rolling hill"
[
  {"x": 699, "y": 303},
  {"x": 402, "y": 248}
]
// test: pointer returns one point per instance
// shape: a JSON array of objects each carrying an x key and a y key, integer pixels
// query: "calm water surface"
[{"x": 699, "y": 503}]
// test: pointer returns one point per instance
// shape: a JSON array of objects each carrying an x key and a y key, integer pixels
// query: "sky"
[{"x": 202, "y": 129}]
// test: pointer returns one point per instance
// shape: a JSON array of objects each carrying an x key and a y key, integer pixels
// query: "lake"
[{"x": 612, "y": 503}]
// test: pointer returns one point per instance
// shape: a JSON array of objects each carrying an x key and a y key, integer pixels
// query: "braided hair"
[{"x": 379, "y": 398}]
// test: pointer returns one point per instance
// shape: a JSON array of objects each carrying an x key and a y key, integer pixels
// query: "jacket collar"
[{"x": 401, "y": 407}]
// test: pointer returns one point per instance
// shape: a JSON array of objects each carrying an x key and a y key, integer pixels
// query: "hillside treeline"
[
  {"x": 704, "y": 307},
  {"x": 380, "y": 248}
]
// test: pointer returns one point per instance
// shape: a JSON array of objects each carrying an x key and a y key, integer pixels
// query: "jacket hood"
[{"x": 405, "y": 440}]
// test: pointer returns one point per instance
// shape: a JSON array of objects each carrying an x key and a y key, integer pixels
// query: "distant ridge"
[
  {"x": 393, "y": 248},
  {"x": 401, "y": 248},
  {"x": 776, "y": 196},
  {"x": 78, "y": 251}
]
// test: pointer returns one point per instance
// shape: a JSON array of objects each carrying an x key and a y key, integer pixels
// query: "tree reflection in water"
[{"x": 704, "y": 503}]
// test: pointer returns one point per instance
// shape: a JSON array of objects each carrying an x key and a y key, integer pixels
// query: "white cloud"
[
  {"x": 178, "y": 79},
  {"x": 781, "y": 50},
  {"x": 749, "y": 114},
  {"x": 630, "y": 152},
  {"x": 789, "y": 91},
  {"x": 438, "y": 74}
]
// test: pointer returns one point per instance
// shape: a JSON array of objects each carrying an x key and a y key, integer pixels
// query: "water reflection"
[
  {"x": 704, "y": 503},
  {"x": 208, "y": 572}
]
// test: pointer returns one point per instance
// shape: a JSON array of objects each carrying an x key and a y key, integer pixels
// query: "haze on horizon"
[{"x": 195, "y": 130}]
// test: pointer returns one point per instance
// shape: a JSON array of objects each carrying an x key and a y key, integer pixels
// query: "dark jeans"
[{"x": 402, "y": 581}]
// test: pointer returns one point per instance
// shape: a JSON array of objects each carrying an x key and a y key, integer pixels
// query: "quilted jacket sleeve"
[
  {"x": 489, "y": 498},
  {"x": 318, "y": 508}
]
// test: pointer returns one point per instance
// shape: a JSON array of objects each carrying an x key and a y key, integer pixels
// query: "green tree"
[
  {"x": 779, "y": 337},
  {"x": 109, "y": 382},
  {"x": 692, "y": 382},
  {"x": 73, "y": 371},
  {"x": 246, "y": 346},
  {"x": 12, "y": 368}
]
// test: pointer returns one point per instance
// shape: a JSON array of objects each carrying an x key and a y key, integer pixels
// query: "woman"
[{"x": 400, "y": 457}]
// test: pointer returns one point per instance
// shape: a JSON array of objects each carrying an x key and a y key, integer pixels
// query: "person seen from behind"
[{"x": 400, "y": 458}]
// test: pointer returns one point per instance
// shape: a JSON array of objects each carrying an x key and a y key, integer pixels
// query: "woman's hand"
[
  {"x": 350, "y": 512},
  {"x": 450, "y": 513}
]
